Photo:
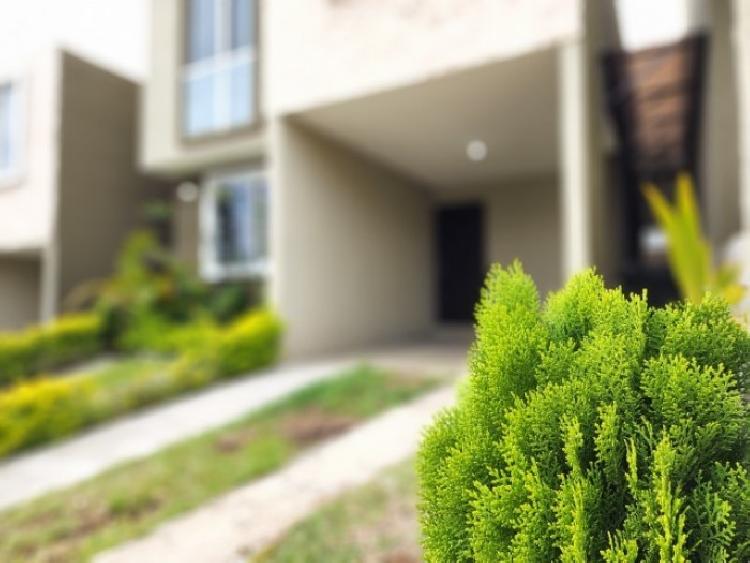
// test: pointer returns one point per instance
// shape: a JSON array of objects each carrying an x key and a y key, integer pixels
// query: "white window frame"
[
  {"x": 14, "y": 173},
  {"x": 223, "y": 59},
  {"x": 212, "y": 269}
]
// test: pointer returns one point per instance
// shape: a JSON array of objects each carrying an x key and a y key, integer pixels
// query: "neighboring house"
[
  {"x": 366, "y": 161},
  {"x": 70, "y": 190}
]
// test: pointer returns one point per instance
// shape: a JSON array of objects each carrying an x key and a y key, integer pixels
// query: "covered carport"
[{"x": 364, "y": 248}]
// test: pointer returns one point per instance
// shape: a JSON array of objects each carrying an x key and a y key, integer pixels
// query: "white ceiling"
[{"x": 422, "y": 130}]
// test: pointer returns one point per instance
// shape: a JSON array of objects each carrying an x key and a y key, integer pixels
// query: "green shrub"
[
  {"x": 250, "y": 342},
  {"x": 43, "y": 410},
  {"x": 592, "y": 428},
  {"x": 227, "y": 302},
  {"x": 157, "y": 334},
  {"x": 46, "y": 409},
  {"x": 149, "y": 283},
  {"x": 51, "y": 346},
  {"x": 155, "y": 303}
]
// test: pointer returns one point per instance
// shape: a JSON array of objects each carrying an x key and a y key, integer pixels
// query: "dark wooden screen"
[{"x": 655, "y": 99}]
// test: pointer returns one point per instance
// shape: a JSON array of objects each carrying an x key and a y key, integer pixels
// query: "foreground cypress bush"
[{"x": 592, "y": 428}]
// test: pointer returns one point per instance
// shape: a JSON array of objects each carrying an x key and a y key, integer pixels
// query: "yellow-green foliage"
[
  {"x": 689, "y": 253},
  {"x": 48, "y": 408},
  {"x": 593, "y": 427},
  {"x": 249, "y": 342},
  {"x": 39, "y": 411},
  {"x": 46, "y": 347},
  {"x": 157, "y": 334}
]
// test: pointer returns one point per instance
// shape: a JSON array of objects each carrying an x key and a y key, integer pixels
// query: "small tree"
[{"x": 592, "y": 428}]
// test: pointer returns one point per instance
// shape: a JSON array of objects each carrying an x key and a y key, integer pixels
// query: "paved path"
[
  {"x": 29, "y": 475},
  {"x": 247, "y": 520}
]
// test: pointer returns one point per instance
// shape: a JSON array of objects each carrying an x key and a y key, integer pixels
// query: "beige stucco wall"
[
  {"x": 27, "y": 200},
  {"x": 324, "y": 51},
  {"x": 522, "y": 221},
  {"x": 101, "y": 193},
  {"x": 186, "y": 232},
  {"x": 604, "y": 207},
  {"x": 162, "y": 148},
  {"x": 19, "y": 291},
  {"x": 721, "y": 155},
  {"x": 741, "y": 37},
  {"x": 350, "y": 246}
]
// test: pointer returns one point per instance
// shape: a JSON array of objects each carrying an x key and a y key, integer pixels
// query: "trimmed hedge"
[
  {"x": 46, "y": 347},
  {"x": 250, "y": 341},
  {"x": 35, "y": 412},
  {"x": 593, "y": 428},
  {"x": 151, "y": 333}
]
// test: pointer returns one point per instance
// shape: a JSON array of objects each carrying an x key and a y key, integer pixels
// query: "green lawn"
[
  {"x": 120, "y": 372},
  {"x": 374, "y": 523},
  {"x": 132, "y": 499}
]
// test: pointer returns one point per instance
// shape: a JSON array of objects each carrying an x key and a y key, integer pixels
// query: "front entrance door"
[{"x": 460, "y": 254}]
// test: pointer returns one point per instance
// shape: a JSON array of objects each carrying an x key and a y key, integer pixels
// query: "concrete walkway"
[
  {"x": 247, "y": 520},
  {"x": 28, "y": 475}
]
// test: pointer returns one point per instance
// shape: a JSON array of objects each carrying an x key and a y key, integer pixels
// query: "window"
[
  {"x": 10, "y": 129},
  {"x": 234, "y": 212},
  {"x": 220, "y": 74}
]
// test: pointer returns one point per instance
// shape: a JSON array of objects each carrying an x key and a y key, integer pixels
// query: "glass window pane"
[
  {"x": 199, "y": 104},
  {"x": 232, "y": 217},
  {"x": 240, "y": 223},
  {"x": 242, "y": 93},
  {"x": 243, "y": 23},
  {"x": 201, "y": 29},
  {"x": 258, "y": 223},
  {"x": 241, "y": 217},
  {"x": 223, "y": 87},
  {"x": 6, "y": 126},
  {"x": 223, "y": 225}
]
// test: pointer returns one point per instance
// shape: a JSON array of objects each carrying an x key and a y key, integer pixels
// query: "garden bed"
[
  {"x": 130, "y": 500},
  {"x": 48, "y": 408}
]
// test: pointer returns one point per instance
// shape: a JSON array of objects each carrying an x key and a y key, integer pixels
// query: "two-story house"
[
  {"x": 70, "y": 188},
  {"x": 365, "y": 161}
]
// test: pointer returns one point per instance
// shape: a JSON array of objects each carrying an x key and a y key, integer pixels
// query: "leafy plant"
[
  {"x": 153, "y": 302},
  {"x": 149, "y": 281},
  {"x": 248, "y": 342},
  {"x": 592, "y": 428},
  {"x": 27, "y": 353},
  {"x": 689, "y": 253}
]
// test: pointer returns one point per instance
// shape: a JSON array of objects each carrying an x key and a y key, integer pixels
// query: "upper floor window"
[
  {"x": 10, "y": 129},
  {"x": 220, "y": 75},
  {"x": 234, "y": 209}
]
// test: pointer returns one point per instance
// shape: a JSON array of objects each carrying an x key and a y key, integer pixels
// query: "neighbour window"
[
  {"x": 220, "y": 76},
  {"x": 10, "y": 130},
  {"x": 234, "y": 224}
]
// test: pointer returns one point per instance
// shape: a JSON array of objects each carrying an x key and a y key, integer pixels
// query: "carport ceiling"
[{"x": 423, "y": 129}]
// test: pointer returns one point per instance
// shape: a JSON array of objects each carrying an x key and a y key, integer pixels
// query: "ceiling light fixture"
[
  {"x": 476, "y": 150},
  {"x": 187, "y": 192}
]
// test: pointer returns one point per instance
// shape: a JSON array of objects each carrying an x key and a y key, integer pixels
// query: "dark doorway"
[{"x": 460, "y": 254}]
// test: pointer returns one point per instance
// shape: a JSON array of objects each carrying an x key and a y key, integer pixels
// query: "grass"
[
  {"x": 132, "y": 499},
  {"x": 120, "y": 372},
  {"x": 376, "y": 522}
]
